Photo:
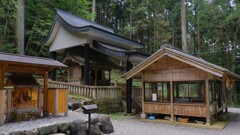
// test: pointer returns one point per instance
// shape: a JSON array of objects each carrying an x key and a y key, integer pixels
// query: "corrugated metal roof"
[{"x": 23, "y": 59}]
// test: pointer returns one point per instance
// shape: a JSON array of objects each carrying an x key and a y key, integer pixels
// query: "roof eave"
[{"x": 58, "y": 19}]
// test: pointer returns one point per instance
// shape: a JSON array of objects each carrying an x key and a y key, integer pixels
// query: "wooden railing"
[
  {"x": 136, "y": 92},
  {"x": 94, "y": 92}
]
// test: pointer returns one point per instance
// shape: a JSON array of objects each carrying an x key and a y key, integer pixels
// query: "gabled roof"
[
  {"x": 88, "y": 28},
  {"x": 23, "y": 59},
  {"x": 183, "y": 57}
]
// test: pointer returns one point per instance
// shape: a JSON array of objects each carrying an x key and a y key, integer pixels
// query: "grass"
[{"x": 117, "y": 116}]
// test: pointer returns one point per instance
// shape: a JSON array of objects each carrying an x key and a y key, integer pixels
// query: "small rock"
[
  {"x": 76, "y": 105},
  {"x": 48, "y": 130},
  {"x": 94, "y": 119},
  {"x": 78, "y": 110},
  {"x": 63, "y": 127},
  {"x": 105, "y": 124},
  {"x": 57, "y": 134},
  {"x": 95, "y": 130},
  {"x": 17, "y": 133},
  {"x": 78, "y": 127},
  {"x": 31, "y": 132},
  {"x": 67, "y": 132}
]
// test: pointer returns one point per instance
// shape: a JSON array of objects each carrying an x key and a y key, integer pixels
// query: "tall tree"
[
  {"x": 183, "y": 27},
  {"x": 20, "y": 26},
  {"x": 93, "y": 9}
]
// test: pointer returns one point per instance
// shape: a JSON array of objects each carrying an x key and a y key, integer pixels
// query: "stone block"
[
  {"x": 63, "y": 127},
  {"x": 105, "y": 124},
  {"x": 51, "y": 129},
  {"x": 143, "y": 116}
]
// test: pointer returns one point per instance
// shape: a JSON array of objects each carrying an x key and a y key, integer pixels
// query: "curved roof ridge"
[{"x": 85, "y": 21}]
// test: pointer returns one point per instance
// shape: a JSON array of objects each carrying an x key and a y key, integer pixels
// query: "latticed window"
[
  {"x": 189, "y": 91},
  {"x": 157, "y": 92}
]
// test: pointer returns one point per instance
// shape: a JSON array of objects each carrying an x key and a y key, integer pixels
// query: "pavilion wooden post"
[
  {"x": 45, "y": 92},
  {"x": 171, "y": 94},
  {"x": 143, "y": 115},
  {"x": 9, "y": 99},
  {"x": 40, "y": 100},
  {"x": 86, "y": 64},
  {"x": 56, "y": 101},
  {"x": 207, "y": 101},
  {"x": 225, "y": 93},
  {"x": 2, "y": 95}
]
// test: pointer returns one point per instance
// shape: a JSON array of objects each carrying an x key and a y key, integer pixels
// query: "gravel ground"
[
  {"x": 28, "y": 125},
  {"x": 131, "y": 125}
]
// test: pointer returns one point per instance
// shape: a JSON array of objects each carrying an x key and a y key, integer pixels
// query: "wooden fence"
[{"x": 94, "y": 92}]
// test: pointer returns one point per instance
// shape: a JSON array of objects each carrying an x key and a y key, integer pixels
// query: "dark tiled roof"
[
  {"x": 75, "y": 23},
  {"x": 14, "y": 58}
]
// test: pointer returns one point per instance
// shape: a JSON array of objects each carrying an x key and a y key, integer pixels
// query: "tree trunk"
[
  {"x": 93, "y": 9},
  {"x": 198, "y": 31},
  {"x": 234, "y": 94},
  {"x": 183, "y": 26},
  {"x": 20, "y": 26}
]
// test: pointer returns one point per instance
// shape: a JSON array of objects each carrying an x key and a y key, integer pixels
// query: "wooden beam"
[
  {"x": 1, "y": 76},
  {"x": 143, "y": 92},
  {"x": 25, "y": 69},
  {"x": 11, "y": 70},
  {"x": 2, "y": 106},
  {"x": 171, "y": 94},
  {"x": 45, "y": 92}
]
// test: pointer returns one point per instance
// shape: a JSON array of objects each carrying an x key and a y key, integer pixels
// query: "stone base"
[
  {"x": 24, "y": 116},
  {"x": 143, "y": 116},
  {"x": 208, "y": 123}
]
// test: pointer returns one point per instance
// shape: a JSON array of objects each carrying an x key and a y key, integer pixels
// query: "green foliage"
[
  {"x": 39, "y": 16},
  {"x": 117, "y": 116},
  {"x": 7, "y": 25}
]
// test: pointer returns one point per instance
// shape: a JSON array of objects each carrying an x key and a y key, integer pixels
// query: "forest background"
[{"x": 212, "y": 26}]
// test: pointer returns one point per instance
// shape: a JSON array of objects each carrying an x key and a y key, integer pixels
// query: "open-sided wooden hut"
[
  {"x": 178, "y": 84},
  {"x": 20, "y": 94}
]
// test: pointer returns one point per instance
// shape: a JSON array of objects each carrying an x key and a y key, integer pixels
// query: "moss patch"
[{"x": 117, "y": 116}]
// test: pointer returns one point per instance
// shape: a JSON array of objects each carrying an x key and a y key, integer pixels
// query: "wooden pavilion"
[
  {"x": 20, "y": 92},
  {"x": 178, "y": 84},
  {"x": 88, "y": 48}
]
